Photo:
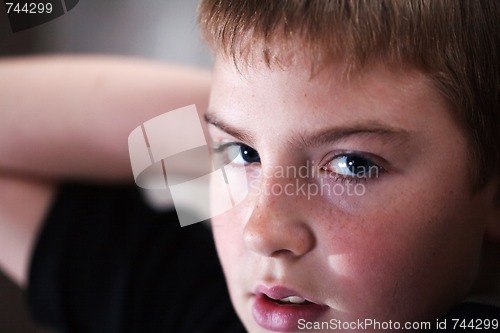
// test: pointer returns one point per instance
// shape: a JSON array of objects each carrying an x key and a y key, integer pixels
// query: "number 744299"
[{"x": 29, "y": 8}]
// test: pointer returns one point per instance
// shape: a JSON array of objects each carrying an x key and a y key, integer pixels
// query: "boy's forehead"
[
  {"x": 307, "y": 68},
  {"x": 252, "y": 98},
  {"x": 328, "y": 80}
]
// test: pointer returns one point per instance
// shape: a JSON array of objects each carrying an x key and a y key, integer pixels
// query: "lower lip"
[{"x": 283, "y": 317}]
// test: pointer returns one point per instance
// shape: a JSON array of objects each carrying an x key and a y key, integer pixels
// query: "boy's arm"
[
  {"x": 23, "y": 204},
  {"x": 69, "y": 118}
]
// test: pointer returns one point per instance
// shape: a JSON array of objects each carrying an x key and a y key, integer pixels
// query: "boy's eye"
[
  {"x": 352, "y": 166},
  {"x": 248, "y": 154},
  {"x": 236, "y": 154}
]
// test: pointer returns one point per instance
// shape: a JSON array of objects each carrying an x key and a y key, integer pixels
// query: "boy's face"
[{"x": 359, "y": 200}]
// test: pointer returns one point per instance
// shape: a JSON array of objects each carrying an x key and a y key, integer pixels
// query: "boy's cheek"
[
  {"x": 421, "y": 258},
  {"x": 416, "y": 256},
  {"x": 366, "y": 286},
  {"x": 383, "y": 275}
]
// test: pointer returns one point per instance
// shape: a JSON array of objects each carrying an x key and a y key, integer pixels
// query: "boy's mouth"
[
  {"x": 283, "y": 295},
  {"x": 291, "y": 300},
  {"x": 280, "y": 309}
]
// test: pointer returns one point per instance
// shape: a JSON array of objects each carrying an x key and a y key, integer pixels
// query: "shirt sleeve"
[{"x": 106, "y": 262}]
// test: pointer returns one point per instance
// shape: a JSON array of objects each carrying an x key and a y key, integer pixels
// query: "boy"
[
  {"x": 409, "y": 90},
  {"x": 399, "y": 97}
]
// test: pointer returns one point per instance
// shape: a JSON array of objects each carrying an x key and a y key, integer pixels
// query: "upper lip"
[{"x": 280, "y": 292}]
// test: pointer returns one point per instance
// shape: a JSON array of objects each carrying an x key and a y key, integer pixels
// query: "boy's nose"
[{"x": 277, "y": 227}]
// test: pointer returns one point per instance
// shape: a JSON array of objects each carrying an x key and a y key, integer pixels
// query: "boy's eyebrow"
[
  {"x": 325, "y": 136},
  {"x": 240, "y": 135},
  {"x": 334, "y": 134}
]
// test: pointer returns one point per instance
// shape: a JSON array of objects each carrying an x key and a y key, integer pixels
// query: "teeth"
[{"x": 293, "y": 299}]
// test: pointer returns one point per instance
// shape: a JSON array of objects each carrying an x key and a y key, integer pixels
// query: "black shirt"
[{"x": 106, "y": 262}]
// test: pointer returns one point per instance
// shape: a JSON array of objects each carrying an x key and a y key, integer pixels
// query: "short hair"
[{"x": 454, "y": 42}]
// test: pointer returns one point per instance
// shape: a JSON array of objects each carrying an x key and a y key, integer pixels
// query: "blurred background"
[
  {"x": 155, "y": 29},
  {"x": 158, "y": 29}
]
